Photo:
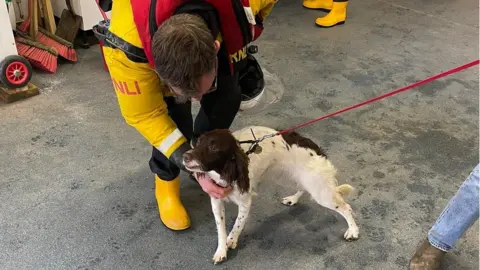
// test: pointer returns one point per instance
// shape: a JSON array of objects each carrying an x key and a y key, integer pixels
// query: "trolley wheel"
[{"x": 16, "y": 71}]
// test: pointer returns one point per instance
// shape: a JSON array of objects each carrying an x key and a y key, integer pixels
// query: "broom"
[
  {"x": 39, "y": 55},
  {"x": 64, "y": 48},
  {"x": 25, "y": 24}
]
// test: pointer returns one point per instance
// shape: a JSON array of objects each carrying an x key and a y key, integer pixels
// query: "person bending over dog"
[{"x": 163, "y": 53}]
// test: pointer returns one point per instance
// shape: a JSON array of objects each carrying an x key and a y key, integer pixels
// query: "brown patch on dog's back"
[{"x": 293, "y": 137}]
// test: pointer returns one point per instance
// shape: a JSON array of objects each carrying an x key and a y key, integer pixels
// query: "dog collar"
[{"x": 254, "y": 144}]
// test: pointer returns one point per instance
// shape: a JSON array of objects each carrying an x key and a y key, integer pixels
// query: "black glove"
[
  {"x": 177, "y": 159},
  {"x": 177, "y": 156}
]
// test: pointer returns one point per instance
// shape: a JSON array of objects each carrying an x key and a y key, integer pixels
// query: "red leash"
[{"x": 443, "y": 74}]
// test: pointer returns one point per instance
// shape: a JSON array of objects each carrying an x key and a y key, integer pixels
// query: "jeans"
[{"x": 459, "y": 214}]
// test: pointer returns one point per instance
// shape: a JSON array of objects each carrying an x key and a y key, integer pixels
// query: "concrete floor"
[{"x": 76, "y": 191}]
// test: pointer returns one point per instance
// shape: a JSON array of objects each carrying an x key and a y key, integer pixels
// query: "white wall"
[
  {"x": 87, "y": 9},
  {"x": 7, "y": 42}
]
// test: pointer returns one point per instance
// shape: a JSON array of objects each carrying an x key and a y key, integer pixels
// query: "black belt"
[{"x": 111, "y": 40}]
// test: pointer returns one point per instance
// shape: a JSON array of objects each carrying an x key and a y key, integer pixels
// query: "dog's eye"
[
  {"x": 213, "y": 148},
  {"x": 212, "y": 145}
]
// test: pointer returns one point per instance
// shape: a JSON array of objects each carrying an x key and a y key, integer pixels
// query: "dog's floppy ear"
[{"x": 236, "y": 170}]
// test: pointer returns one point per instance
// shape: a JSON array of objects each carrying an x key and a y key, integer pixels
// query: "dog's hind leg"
[
  {"x": 346, "y": 211},
  {"x": 218, "y": 210},
  {"x": 292, "y": 200},
  {"x": 335, "y": 202},
  {"x": 244, "y": 205}
]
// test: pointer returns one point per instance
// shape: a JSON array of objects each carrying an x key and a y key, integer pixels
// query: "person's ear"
[{"x": 217, "y": 45}]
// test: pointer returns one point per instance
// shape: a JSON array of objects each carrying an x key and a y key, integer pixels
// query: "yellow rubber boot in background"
[
  {"x": 336, "y": 16},
  {"x": 172, "y": 212},
  {"x": 318, "y": 4}
]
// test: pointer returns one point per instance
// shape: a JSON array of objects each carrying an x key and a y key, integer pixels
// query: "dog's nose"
[{"x": 187, "y": 157}]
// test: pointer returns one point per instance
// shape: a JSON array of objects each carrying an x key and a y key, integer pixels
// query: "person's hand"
[{"x": 210, "y": 187}]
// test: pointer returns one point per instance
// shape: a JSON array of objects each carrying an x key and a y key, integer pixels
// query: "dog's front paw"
[
  {"x": 232, "y": 242},
  {"x": 351, "y": 234},
  {"x": 219, "y": 256},
  {"x": 290, "y": 200}
]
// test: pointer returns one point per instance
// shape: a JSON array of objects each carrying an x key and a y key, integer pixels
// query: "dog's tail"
[{"x": 345, "y": 189}]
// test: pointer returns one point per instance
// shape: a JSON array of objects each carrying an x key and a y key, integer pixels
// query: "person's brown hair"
[{"x": 183, "y": 50}]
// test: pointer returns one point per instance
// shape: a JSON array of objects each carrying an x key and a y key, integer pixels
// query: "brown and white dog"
[{"x": 219, "y": 154}]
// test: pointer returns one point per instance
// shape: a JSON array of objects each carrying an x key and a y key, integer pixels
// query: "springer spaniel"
[{"x": 219, "y": 154}]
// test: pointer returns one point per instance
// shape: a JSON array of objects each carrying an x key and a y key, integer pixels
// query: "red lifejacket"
[{"x": 235, "y": 27}]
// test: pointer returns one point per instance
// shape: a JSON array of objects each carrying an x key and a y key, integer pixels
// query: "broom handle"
[
  {"x": 36, "y": 45},
  {"x": 40, "y": 14},
  {"x": 55, "y": 37},
  {"x": 34, "y": 19},
  {"x": 48, "y": 16}
]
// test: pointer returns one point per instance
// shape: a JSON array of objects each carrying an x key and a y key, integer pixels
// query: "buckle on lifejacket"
[{"x": 111, "y": 40}]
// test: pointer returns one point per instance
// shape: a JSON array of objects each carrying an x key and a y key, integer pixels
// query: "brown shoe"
[{"x": 427, "y": 257}]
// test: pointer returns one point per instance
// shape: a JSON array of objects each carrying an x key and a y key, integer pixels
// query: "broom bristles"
[
  {"x": 24, "y": 25},
  {"x": 63, "y": 51},
  {"x": 38, "y": 57}
]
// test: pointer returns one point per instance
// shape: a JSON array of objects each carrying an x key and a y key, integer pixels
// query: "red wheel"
[{"x": 16, "y": 71}]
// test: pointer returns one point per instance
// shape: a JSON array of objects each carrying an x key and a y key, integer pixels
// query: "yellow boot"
[
  {"x": 336, "y": 16},
  {"x": 318, "y": 4},
  {"x": 172, "y": 212}
]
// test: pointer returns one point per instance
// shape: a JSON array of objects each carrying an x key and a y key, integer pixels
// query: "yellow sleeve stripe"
[
  {"x": 171, "y": 142},
  {"x": 175, "y": 146}
]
